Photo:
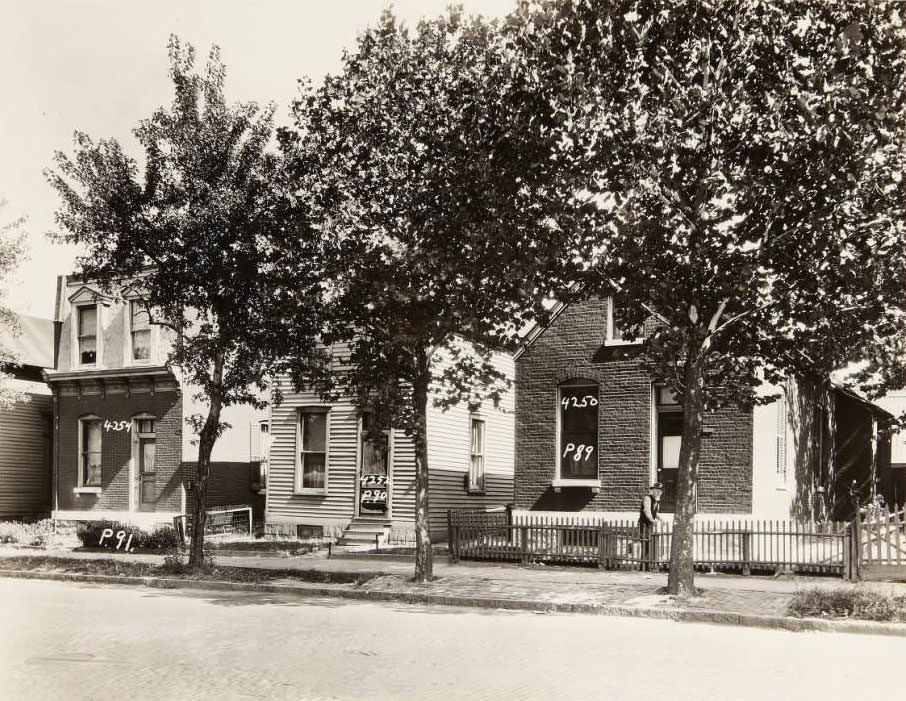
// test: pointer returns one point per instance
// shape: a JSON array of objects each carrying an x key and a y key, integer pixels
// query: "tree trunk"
[
  {"x": 680, "y": 581},
  {"x": 424, "y": 557},
  {"x": 206, "y": 440}
]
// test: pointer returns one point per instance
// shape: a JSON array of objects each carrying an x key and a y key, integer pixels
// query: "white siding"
[{"x": 773, "y": 467}]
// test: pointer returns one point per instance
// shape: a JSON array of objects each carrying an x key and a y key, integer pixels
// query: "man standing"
[{"x": 648, "y": 511}]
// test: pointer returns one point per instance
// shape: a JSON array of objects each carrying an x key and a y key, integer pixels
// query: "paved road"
[{"x": 72, "y": 641}]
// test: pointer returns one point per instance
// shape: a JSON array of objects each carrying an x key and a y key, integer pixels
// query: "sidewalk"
[{"x": 752, "y": 600}]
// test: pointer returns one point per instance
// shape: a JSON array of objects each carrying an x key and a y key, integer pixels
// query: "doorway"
[{"x": 374, "y": 469}]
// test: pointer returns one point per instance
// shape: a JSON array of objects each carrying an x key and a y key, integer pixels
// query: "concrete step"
[{"x": 363, "y": 532}]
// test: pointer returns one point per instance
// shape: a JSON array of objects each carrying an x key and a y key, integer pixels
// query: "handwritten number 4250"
[{"x": 578, "y": 402}]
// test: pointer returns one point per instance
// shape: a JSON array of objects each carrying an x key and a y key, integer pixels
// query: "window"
[
  {"x": 615, "y": 328},
  {"x": 90, "y": 433},
  {"x": 669, "y": 432},
  {"x": 311, "y": 468},
  {"x": 578, "y": 444},
  {"x": 476, "y": 459},
  {"x": 88, "y": 334},
  {"x": 140, "y": 329},
  {"x": 260, "y": 453}
]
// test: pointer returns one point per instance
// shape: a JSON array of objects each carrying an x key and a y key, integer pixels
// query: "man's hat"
[{"x": 657, "y": 485}]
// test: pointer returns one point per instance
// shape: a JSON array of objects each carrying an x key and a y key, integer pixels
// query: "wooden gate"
[{"x": 882, "y": 543}]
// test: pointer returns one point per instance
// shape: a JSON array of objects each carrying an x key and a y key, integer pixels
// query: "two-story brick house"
[
  {"x": 121, "y": 447},
  {"x": 593, "y": 432}
]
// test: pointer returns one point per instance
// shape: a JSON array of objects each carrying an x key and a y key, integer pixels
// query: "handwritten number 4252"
[{"x": 578, "y": 402}]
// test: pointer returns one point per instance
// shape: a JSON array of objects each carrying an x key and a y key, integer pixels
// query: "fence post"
[
  {"x": 523, "y": 534},
  {"x": 509, "y": 523},
  {"x": 602, "y": 551},
  {"x": 746, "y": 536},
  {"x": 857, "y": 548}
]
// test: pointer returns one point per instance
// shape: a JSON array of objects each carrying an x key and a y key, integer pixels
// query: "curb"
[{"x": 337, "y": 590}]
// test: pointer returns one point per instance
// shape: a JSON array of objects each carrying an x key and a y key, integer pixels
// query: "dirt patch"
[{"x": 120, "y": 568}]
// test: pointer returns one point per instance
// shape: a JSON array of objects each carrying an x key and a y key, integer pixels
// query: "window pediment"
[{"x": 88, "y": 295}]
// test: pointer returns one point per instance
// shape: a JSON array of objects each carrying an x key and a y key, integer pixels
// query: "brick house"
[
  {"x": 326, "y": 475},
  {"x": 26, "y": 427},
  {"x": 121, "y": 447},
  {"x": 593, "y": 432}
]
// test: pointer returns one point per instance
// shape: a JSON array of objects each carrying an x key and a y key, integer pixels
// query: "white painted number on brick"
[
  {"x": 578, "y": 402},
  {"x": 115, "y": 425}
]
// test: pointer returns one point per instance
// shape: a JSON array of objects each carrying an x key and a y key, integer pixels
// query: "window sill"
[
  {"x": 621, "y": 342},
  {"x": 87, "y": 490},
  {"x": 310, "y": 492},
  {"x": 475, "y": 491},
  {"x": 593, "y": 485}
]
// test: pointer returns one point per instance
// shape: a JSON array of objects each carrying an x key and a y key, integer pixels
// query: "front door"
[
  {"x": 146, "y": 453},
  {"x": 374, "y": 470},
  {"x": 670, "y": 435}
]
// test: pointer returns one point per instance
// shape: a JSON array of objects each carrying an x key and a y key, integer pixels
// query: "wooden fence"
[{"x": 745, "y": 546}]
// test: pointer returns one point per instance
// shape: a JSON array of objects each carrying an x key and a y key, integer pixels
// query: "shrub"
[
  {"x": 163, "y": 538},
  {"x": 855, "y": 603},
  {"x": 176, "y": 562}
]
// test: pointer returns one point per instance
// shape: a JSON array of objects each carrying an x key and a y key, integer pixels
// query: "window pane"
[
  {"x": 670, "y": 447},
  {"x": 313, "y": 470},
  {"x": 314, "y": 431},
  {"x": 148, "y": 453},
  {"x": 88, "y": 321},
  {"x": 146, "y": 425},
  {"x": 88, "y": 349},
  {"x": 141, "y": 319},
  {"x": 141, "y": 345},
  {"x": 374, "y": 458},
  {"x": 477, "y": 437},
  {"x": 578, "y": 432}
]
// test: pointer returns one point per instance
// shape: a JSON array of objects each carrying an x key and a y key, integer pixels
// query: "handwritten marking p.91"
[{"x": 120, "y": 536}]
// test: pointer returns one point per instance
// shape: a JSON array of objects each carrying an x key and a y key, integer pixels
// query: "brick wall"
[
  {"x": 230, "y": 484},
  {"x": 116, "y": 449},
  {"x": 572, "y": 348}
]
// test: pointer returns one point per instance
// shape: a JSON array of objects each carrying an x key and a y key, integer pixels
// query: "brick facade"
[
  {"x": 573, "y": 348},
  {"x": 116, "y": 449}
]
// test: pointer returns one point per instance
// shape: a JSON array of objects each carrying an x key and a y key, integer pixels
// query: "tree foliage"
[
  {"x": 746, "y": 159},
  {"x": 434, "y": 210},
  {"x": 199, "y": 232},
  {"x": 12, "y": 247}
]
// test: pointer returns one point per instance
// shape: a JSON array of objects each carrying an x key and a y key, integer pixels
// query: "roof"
[{"x": 35, "y": 344}]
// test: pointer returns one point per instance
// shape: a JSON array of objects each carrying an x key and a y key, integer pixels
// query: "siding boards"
[{"x": 24, "y": 466}]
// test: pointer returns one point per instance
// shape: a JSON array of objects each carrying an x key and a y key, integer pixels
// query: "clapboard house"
[
  {"x": 26, "y": 427},
  {"x": 122, "y": 450},
  {"x": 593, "y": 432},
  {"x": 330, "y": 475}
]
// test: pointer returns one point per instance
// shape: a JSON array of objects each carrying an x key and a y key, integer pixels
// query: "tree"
[
  {"x": 439, "y": 249},
  {"x": 12, "y": 243},
  {"x": 746, "y": 158},
  {"x": 200, "y": 233}
]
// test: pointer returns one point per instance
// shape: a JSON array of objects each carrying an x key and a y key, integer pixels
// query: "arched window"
[{"x": 577, "y": 444}]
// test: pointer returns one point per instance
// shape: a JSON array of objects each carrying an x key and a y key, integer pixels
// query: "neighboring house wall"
[
  {"x": 573, "y": 349},
  {"x": 25, "y": 457},
  {"x": 449, "y": 460}
]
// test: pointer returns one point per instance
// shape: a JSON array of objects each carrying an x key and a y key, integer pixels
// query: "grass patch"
[
  {"x": 857, "y": 603},
  {"x": 123, "y": 568},
  {"x": 41, "y": 534}
]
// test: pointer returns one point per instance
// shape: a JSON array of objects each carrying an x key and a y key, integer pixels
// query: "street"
[{"x": 75, "y": 641}]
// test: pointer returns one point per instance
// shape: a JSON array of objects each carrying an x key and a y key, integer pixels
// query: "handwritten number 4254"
[
  {"x": 116, "y": 425},
  {"x": 578, "y": 402}
]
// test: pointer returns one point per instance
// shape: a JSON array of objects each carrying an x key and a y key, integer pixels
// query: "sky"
[{"x": 100, "y": 66}]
